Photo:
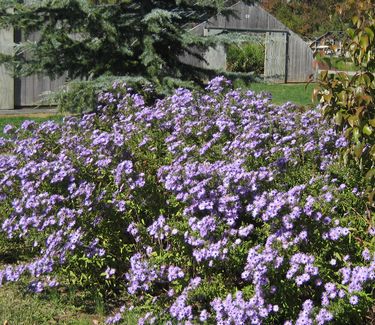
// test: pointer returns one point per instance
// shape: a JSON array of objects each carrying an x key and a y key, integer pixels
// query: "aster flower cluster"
[{"x": 214, "y": 207}]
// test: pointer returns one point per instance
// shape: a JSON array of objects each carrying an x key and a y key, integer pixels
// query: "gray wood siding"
[
  {"x": 30, "y": 89},
  {"x": 298, "y": 55},
  {"x": 300, "y": 59},
  {"x": 245, "y": 17},
  {"x": 6, "y": 81},
  {"x": 275, "y": 57},
  {"x": 191, "y": 59},
  {"x": 24, "y": 91}
]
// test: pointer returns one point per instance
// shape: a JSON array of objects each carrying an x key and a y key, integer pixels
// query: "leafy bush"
[
  {"x": 350, "y": 101},
  {"x": 81, "y": 96},
  {"x": 246, "y": 57},
  {"x": 340, "y": 63},
  {"x": 214, "y": 207}
]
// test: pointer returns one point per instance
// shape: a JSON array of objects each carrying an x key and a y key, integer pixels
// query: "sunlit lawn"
[
  {"x": 300, "y": 94},
  {"x": 17, "y": 120}
]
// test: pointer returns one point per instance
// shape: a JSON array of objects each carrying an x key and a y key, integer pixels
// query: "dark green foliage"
[
  {"x": 101, "y": 41},
  {"x": 87, "y": 39},
  {"x": 81, "y": 96},
  {"x": 246, "y": 57}
]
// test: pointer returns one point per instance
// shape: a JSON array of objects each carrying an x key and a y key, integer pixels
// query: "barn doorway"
[
  {"x": 275, "y": 53},
  {"x": 246, "y": 56}
]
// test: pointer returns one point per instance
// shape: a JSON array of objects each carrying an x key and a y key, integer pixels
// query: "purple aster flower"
[{"x": 353, "y": 300}]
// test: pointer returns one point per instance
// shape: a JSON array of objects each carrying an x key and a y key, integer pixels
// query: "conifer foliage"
[{"x": 89, "y": 38}]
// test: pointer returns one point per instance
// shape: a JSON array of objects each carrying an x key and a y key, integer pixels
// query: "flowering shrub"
[{"x": 214, "y": 207}]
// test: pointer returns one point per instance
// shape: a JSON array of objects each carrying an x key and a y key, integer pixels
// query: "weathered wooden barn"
[
  {"x": 26, "y": 91},
  {"x": 288, "y": 58}
]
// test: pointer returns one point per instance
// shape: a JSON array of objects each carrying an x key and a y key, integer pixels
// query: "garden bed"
[{"x": 205, "y": 207}]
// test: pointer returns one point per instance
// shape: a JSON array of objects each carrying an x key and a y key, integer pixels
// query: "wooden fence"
[
  {"x": 26, "y": 91},
  {"x": 6, "y": 81}
]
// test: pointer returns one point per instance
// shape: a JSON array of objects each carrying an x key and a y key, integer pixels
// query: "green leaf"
[
  {"x": 364, "y": 42},
  {"x": 370, "y": 33},
  {"x": 353, "y": 120},
  {"x": 350, "y": 32},
  {"x": 367, "y": 129},
  {"x": 358, "y": 150},
  {"x": 370, "y": 174},
  {"x": 338, "y": 118},
  {"x": 355, "y": 20}
]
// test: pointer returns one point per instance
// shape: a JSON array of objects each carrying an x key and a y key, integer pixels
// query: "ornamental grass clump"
[{"x": 214, "y": 207}]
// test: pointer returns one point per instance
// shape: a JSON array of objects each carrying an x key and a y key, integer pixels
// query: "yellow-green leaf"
[
  {"x": 358, "y": 149},
  {"x": 364, "y": 41},
  {"x": 367, "y": 129},
  {"x": 370, "y": 174},
  {"x": 338, "y": 118},
  {"x": 356, "y": 134},
  {"x": 353, "y": 120},
  {"x": 370, "y": 33}
]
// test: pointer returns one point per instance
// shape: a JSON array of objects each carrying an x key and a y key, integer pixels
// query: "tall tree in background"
[
  {"x": 89, "y": 38},
  {"x": 311, "y": 18}
]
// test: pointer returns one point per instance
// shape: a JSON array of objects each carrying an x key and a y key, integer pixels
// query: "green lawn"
[
  {"x": 17, "y": 120},
  {"x": 59, "y": 306},
  {"x": 339, "y": 63},
  {"x": 23, "y": 308},
  {"x": 300, "y": 94}
]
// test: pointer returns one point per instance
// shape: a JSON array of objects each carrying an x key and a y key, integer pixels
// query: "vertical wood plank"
[
  {"x": 275, "y": 57},
  {"x": 34, "y": 86},
  {"x": 6, "y": 81}
]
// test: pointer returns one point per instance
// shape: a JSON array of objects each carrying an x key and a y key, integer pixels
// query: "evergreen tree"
[{"x": 91, "y": 38}]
